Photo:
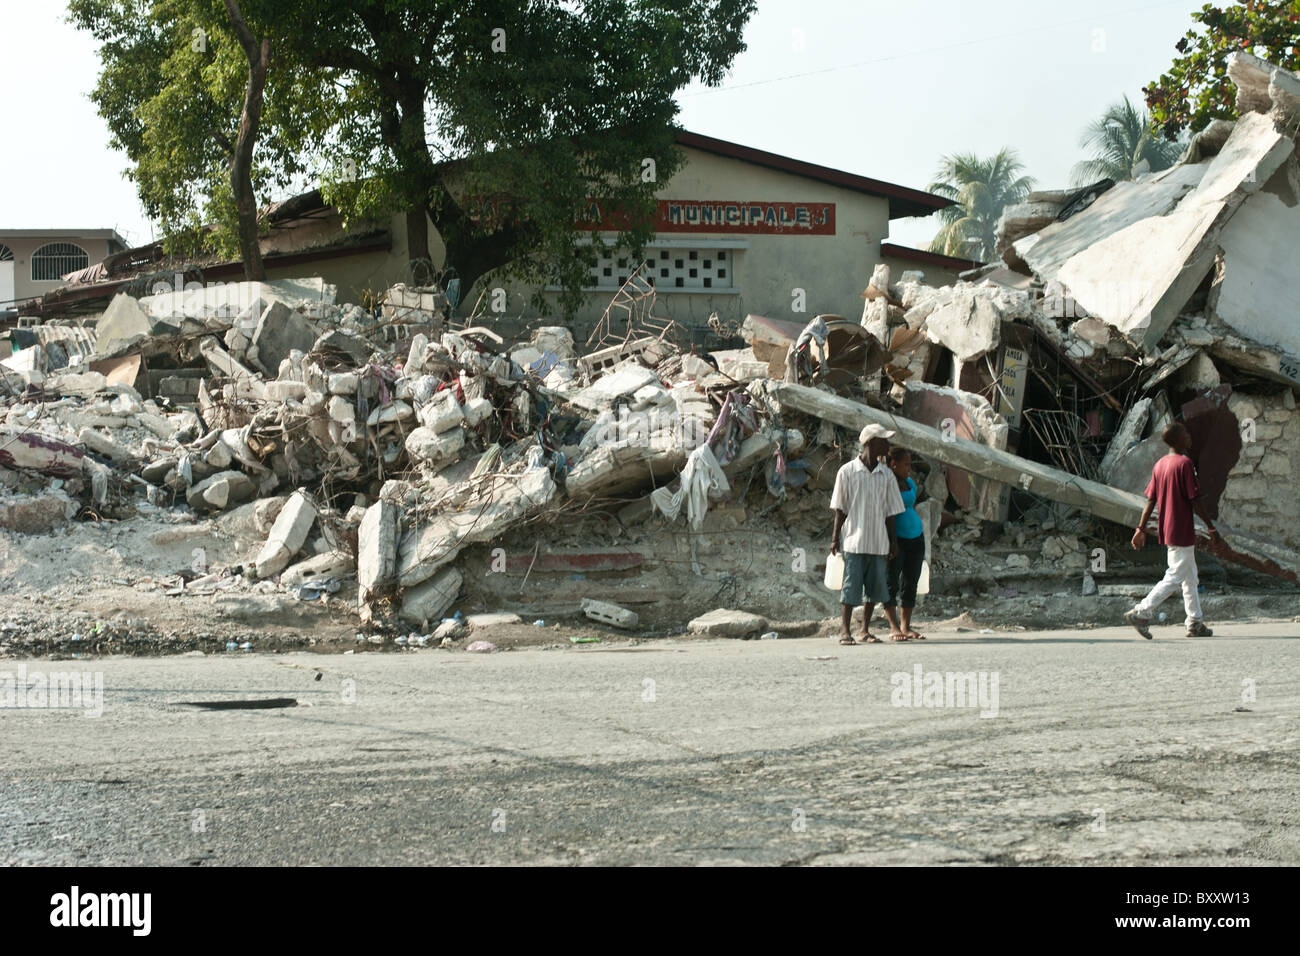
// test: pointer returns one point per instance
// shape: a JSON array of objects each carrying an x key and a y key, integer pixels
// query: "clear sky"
[{"x": 882, "y": 89}]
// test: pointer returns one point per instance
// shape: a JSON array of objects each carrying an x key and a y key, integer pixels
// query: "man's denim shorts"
[{"x": 866, "y": 579}]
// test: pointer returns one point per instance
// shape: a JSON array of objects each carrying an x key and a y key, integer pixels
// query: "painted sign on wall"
[
  {"x": 1011, "y": 384},
  {"x": 761, "y": 217}
]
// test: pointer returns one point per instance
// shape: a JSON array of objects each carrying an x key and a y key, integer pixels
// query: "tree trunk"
[
  {"x": 241, "y": 162},
  {"x": 417, "y": 245},
  {"x": 414, "y": 152}
]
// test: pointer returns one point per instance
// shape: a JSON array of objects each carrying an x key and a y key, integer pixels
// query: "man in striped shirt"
[{"x": 865, "y": 500}]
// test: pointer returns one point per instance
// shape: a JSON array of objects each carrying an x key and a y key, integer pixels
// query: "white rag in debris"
[{"x": 701, "y": 477}]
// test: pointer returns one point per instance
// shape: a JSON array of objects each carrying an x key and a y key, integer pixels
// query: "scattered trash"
[{"x": 483, "y": 647}]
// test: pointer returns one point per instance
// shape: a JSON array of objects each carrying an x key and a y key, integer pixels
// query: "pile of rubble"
[
  {"x": 368, "y": 447},
  {"x": 372, "y": 449},
  {"x": 1116, "y": 309}
]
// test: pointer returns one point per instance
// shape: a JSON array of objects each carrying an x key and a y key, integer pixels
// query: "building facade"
[{"x": 33, "y": 261}]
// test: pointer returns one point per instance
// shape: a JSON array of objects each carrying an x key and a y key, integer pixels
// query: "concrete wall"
[
  {"x": 1260, "y": 496},
  {"x": 23, "y": 247},
  {"x": 832, "y": 270},
  {"x": 765, "y": 269}
]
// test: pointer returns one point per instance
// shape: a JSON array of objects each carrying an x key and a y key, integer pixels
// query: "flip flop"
[
  {"x": 871, "y": 639},
  {"x": 898, "y": 636},
  {"x": 846, "y": 641},
  {"x": 914, "y": 636}
]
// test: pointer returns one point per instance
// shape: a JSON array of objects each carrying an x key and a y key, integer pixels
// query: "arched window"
[
  {"x": 6, "y": 254},
  {"x": 56, "y": 259}
]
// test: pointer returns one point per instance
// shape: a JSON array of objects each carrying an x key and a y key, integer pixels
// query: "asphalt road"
[{"x": 1104, "y": 748}]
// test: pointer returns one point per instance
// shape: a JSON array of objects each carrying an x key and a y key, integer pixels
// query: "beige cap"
[{"x": 874, "y": 431}]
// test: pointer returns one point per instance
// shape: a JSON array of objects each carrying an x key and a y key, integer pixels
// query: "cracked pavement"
[{"x": 1106, "y": 749}]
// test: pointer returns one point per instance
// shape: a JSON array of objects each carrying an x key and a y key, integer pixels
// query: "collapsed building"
[{"x": 375, "y": 449}]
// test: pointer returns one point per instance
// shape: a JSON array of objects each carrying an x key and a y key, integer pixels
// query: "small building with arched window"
[{"x": 34, "y": 261}]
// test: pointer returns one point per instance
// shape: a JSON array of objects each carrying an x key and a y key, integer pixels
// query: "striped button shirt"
[{"x": 867, "y": 496}]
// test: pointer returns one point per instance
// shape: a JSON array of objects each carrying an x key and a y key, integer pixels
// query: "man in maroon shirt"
[{"x": 1174, "y": 490}]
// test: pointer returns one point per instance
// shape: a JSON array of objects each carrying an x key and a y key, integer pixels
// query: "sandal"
[
  {"x": 870, "y": 639},
  {"x": 847, "y": 640},
  {"x": 898, "y": 636},
  {"x": 915, "y": 636}
]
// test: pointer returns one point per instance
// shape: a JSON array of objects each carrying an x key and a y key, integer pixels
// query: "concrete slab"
[
  {"x": 122, "y": 325},
  {"x": 288, "y": 535},
  {"x": 1139, "y": 279},
  {"x": 431, "y": 599}
]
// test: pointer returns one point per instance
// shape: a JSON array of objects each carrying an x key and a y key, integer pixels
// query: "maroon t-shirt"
[{"x": 1173, "y": 485}]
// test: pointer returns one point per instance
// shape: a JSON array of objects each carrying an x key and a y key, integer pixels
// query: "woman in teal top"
[{"x": 905, "y": 567}]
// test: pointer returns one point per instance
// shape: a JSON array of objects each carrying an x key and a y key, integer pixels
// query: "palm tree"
[
  {"x": 1120, "y": 141},
  {"x": 981, "y": 188}
]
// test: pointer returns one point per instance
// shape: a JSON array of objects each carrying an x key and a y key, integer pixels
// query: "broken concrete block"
[
  {"x": 81, "y": 384},
  {"x": 554, "y": 338},
  {"x": 122, "y": 325},
  {"x": 1129, "y": 432},
  {"x": 492, "y": 619},
  {"x": 219, "y": 360},
  {"x": 280, "y": 330},
  {"x": 392, "y": 412},
  {"x": 341, "y": 410},
  {"x": 727, "y": 623},
  {"x": 331, "y": 564},
  {"x": 969, "y": 326},
  {"x": 1199, "y": 373},
  {"x": 218, "y": 456},
  {"x": 36, "y": 514},
  {"x": 343, "y": 383},
  {"x": 288, "y": 535},
  {"x": 220, "y": 491},
  {"x": 266, "y": 511},
  {"x": 477, "y": 410},
  {"x": 354, "y": 347},
  {"x": 103, "y": 445},
  {"x": 424, "y": 444},
  {"x": 377, "y": 548},
  {"x": 285, "y": 391},
  {"x": 430, "y": 600},
  {"x": 441, "y": 412},
  {"x": 492, "y": 507},
  {"x": 40, "y": 453},
  {"x": 415, "y": 354},
  {"x": 613, "y": 385},
  {"x": 610, "y": 614}
]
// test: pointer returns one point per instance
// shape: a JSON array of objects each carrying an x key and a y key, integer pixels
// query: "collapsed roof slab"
[
  {"x": 1253, "y": 152},
  {"x": 1139, "y": 279},
  {"x": 1119, "y": 207}
]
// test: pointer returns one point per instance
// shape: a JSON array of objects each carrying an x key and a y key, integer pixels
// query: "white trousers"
[{"x": 1181, "y": 573}]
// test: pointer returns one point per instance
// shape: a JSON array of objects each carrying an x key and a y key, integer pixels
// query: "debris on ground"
[{"x": 384, "y": 463}]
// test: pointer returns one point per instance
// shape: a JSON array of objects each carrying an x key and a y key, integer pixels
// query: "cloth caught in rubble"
[
  {"x": 736, "y": 421},
  {"x": 814, "y": 331},
  {"x": 701, "y": 476}
]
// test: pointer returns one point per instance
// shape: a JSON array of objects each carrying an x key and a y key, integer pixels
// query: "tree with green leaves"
[
  {"x": 188, "y": 93},
  {"x": 501, "y": 119},
  {"x": 981, "y": 188},
  {"x": 1122, "y": 143},
  {"x": 1196, "y": 87}
]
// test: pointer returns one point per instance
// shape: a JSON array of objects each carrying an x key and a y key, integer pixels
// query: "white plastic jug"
[{"x": 834, "y": 577}]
